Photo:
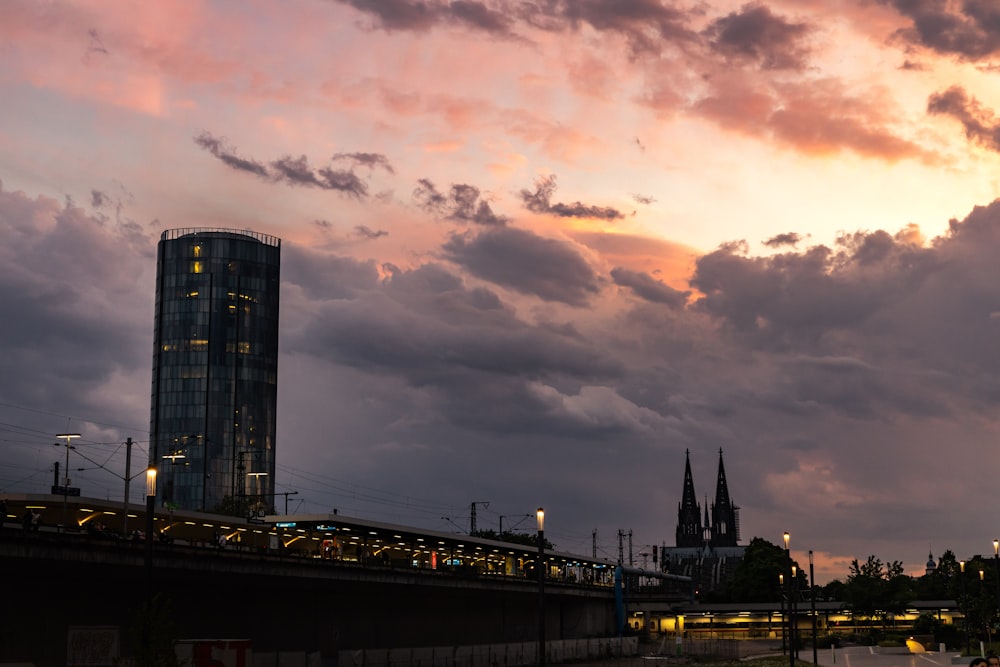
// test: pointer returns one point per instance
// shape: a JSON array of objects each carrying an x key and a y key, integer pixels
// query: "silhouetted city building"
[
  {"x": 707, "y": 542},
  {"x": 215, "y": 369}
]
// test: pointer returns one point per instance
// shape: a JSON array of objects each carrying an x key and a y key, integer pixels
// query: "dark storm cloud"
[
  {"x": 76, "y": 337},
  {"x": 755, "y": 34},
  {"x": 649, "y": 288},
  {"x": 523, "y": 261},
  {"x": 539, "y": 202},
  {"x": 473, "y": 360},
  {"x": 968, "y": 29},
  {"x": 370, "y": 160},
  {"x": 421, "y": 15},
  {"x": 793, "y": 294},
  {"x": 463, "y": 203},
  {"x": 909, "y": 325},
  {"x": 217, "y": 147},
  {"x": 789, "y": 238},
  {"x": 369, "y": 233},
  {"x": 296, "y": 171},
  {"x": 647, "y": 25},
  {"x": 324, "y": 277},
  {"x": 981, "y": 124},
  {"x": 99, "y": 199}
]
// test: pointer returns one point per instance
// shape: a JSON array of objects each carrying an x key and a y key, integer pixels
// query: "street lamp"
[
  {"x": 981, "y": 605},
  {"x": 540, "y": 516},
  {"x": 795, "y": 611},
  {"x": 996, "y": 562},
  {"x": 812, "y": 603},
  {"x": 150, "y": 506},
  {"x": 791, "y": 601},
  {"x": 65, "y": 485},
  {"x": 965, "y": 606},
  {"x": 256, "y": 476},
  {"x": 781, "y": 599}
]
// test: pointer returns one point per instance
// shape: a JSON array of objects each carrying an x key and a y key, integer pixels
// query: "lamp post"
[
  {"x": 791, "y": 601},
  {"x": 147, "y": 621},
  {"x": 795, "y": 612},
  {"x": 982, "y": 606},
  {"x": 540, "y": 516},
  {"x": 965, "y": 605},
  {"x": 65, "y": 482},
  {"x": 812, "y": 603},
  {"x": 781, "y": 600},
  {"x": 258, "y": 502},
  {"x": 996, "y": 563},
  {"x": 150, "y": 507}
]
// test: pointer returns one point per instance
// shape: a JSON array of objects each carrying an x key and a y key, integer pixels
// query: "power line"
[{"x": 79, "y": 419}]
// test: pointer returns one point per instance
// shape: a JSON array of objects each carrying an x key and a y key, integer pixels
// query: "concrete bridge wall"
[{"x": 55, "y": 582}]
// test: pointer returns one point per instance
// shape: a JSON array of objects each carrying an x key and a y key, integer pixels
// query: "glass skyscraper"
[{"x": 215, "y": 370}]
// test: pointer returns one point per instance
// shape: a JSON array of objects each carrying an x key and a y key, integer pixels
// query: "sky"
[{"x": 533, "y": 251}]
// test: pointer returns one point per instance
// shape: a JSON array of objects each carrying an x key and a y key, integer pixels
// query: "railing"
[{"x": 266, "y": 239}]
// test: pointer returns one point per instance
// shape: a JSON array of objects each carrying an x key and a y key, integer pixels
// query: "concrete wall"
[
  {"x": 491, "y": 655},
  {"x": 291, "y": 605}
]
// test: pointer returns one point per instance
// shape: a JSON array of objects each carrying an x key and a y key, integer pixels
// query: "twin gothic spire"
[{"x": 722, "y": 528}]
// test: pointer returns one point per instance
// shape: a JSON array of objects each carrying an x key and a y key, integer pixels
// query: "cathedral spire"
[
  {"x": 721, "y": 488},
  {"x": 725, "y": 515},
  {"x": 689, "y": 526}
]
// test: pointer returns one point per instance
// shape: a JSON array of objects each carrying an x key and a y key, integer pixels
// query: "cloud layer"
[{"x": 534, "y": 252}]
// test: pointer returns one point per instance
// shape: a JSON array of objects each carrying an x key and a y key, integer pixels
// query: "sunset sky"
[{"x": 532, "y": 252}]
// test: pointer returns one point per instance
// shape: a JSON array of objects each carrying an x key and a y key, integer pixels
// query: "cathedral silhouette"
[{"x": 707, "y": 543}]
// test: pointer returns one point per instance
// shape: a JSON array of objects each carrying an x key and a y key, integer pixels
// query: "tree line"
[{"x": 872, "y": 590}]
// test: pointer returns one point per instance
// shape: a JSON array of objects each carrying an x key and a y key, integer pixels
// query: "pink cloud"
[{"x": 818, "y": 117}]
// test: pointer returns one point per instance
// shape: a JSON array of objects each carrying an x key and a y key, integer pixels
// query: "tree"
[
  {"x": 938, "y": 584},
  {"x": 756, "y": 578},
  {"x": 874, "y": 590}
]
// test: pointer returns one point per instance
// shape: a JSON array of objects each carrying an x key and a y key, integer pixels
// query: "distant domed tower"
[{"x": 931, "y": 565}]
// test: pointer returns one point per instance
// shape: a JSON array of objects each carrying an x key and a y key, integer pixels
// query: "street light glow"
[{"x": 150, "y": 482}]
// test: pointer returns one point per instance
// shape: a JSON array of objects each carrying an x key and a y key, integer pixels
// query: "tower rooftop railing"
[{"x": 266, "y": 239}]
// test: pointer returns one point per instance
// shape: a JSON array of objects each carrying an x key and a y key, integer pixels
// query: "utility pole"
[
  {"x": 128, "y": 470},
  {"x": 593, "y": 543},
  {"x": 472, "y": 515},
  {"x": 286, "y": 494}
]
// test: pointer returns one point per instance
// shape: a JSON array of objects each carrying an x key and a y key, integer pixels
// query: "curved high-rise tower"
[{"x": 215, "y": 369}]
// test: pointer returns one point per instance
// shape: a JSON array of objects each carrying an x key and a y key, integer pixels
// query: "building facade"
[{"x": 213, "y": 415}]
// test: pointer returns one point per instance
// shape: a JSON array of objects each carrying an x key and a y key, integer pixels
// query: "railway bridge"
[{"x": 284, "y": 587}]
